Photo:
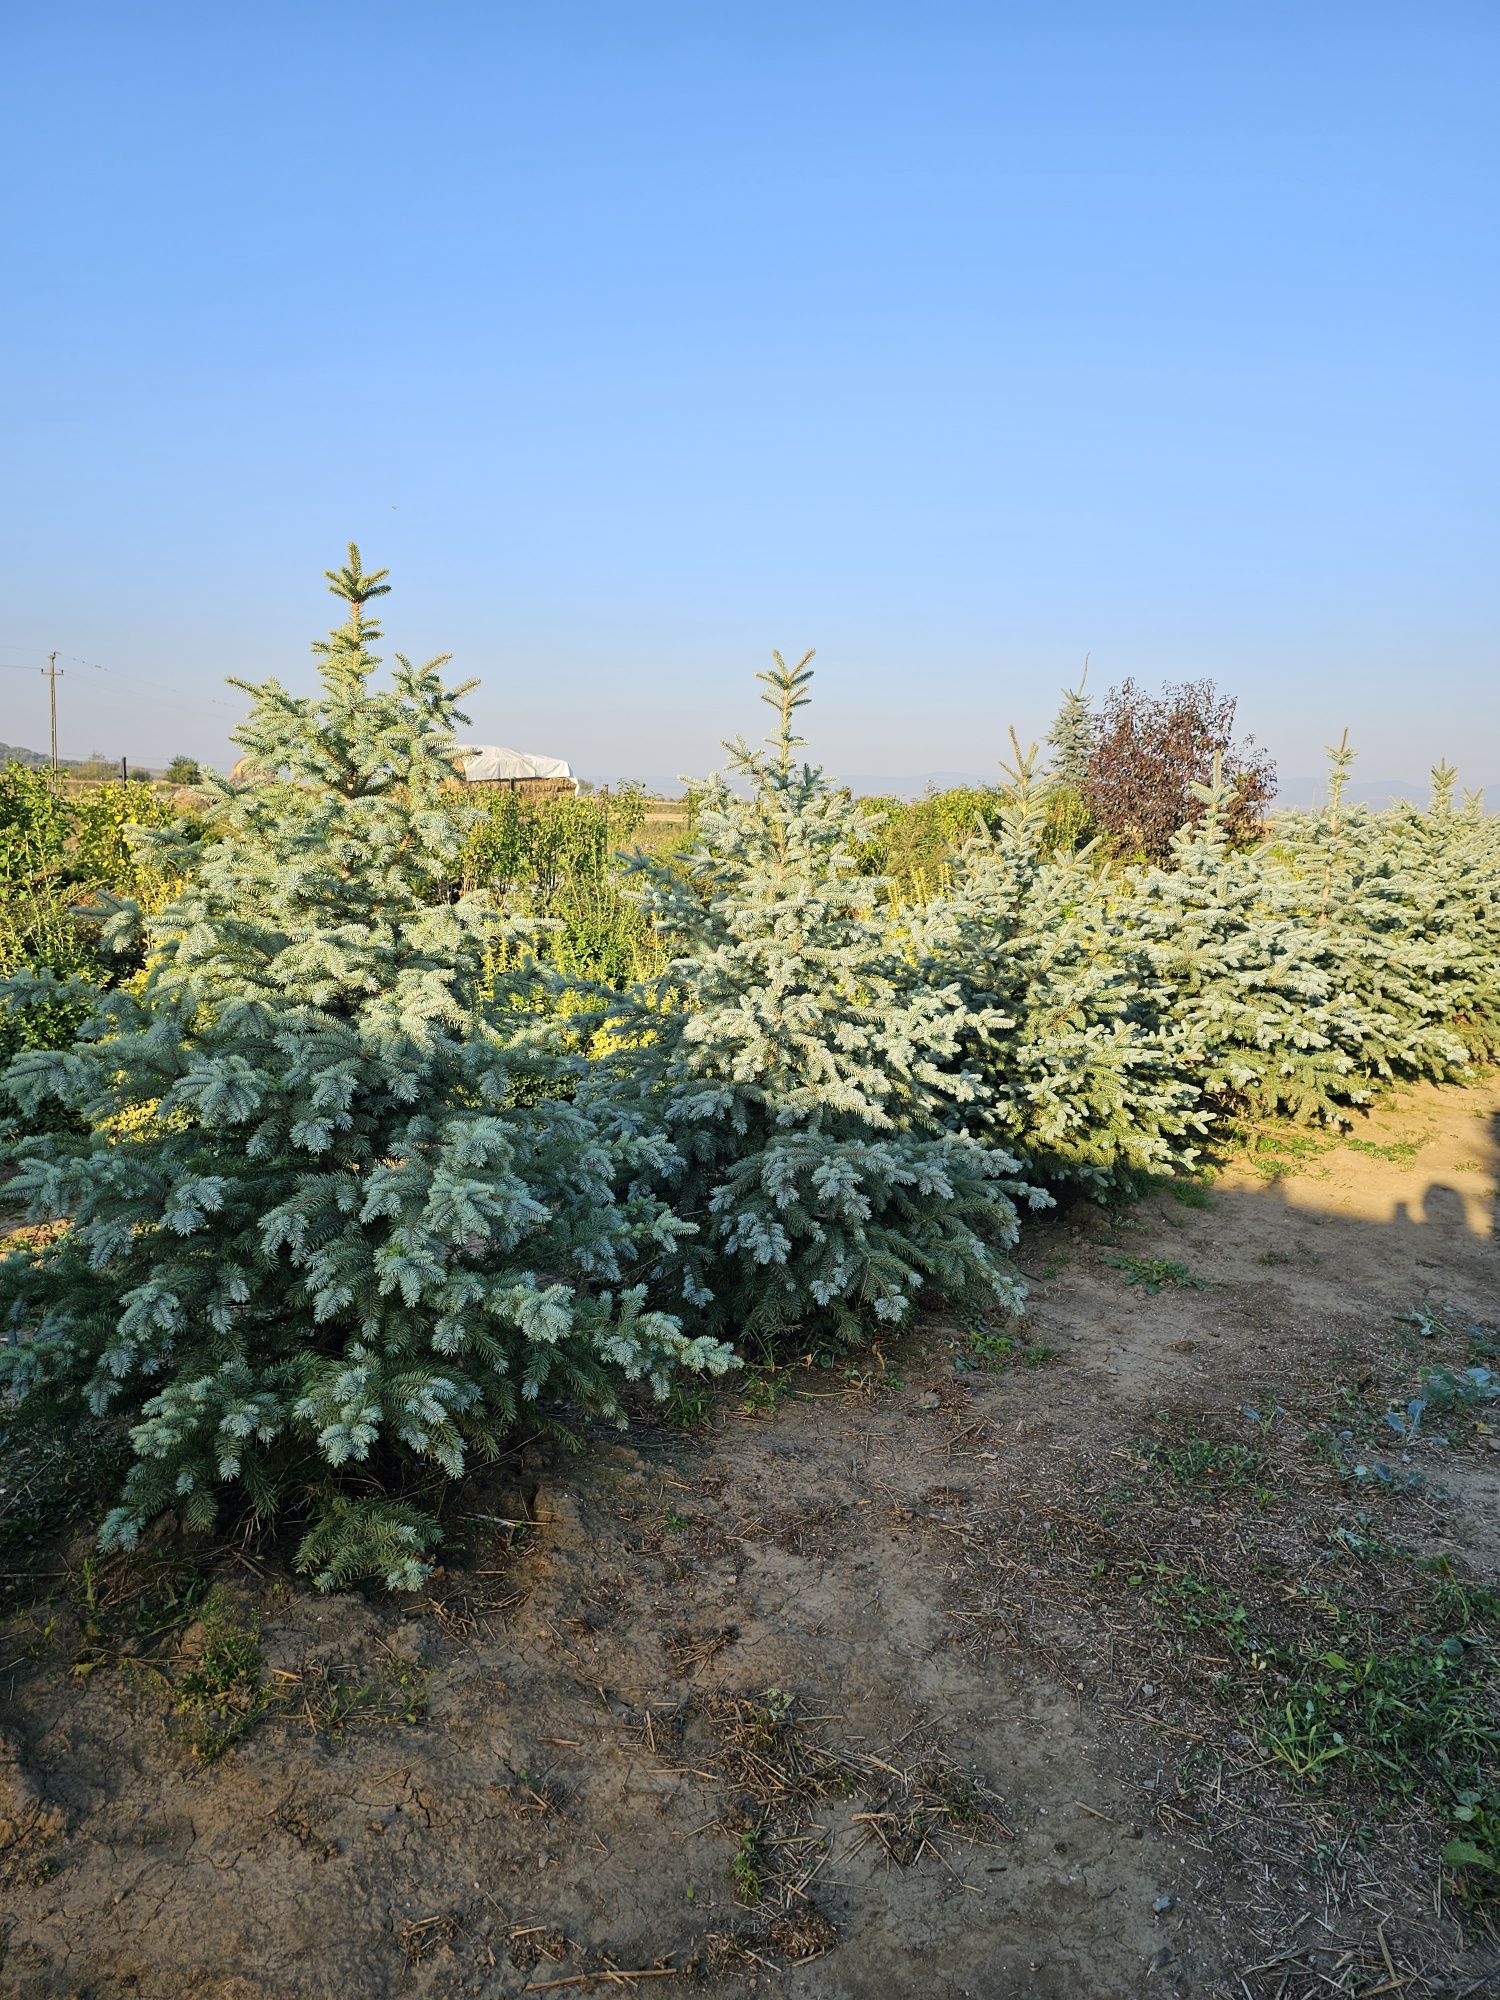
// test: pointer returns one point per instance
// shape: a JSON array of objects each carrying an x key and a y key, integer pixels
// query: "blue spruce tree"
[
  {"x": 1410, "y": 900},
  {"x": 1071, "y": 737},
  {"x": 325, "y": 1233},
  {"x": 1063, "y": 1017},
  {"x": 1069, "y": 820},
  {"x": 805, "y": 1071},
  {"x": 1260, "y": 996}
]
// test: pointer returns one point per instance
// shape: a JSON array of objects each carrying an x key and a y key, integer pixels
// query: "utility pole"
[{"x": 52, "y": 670}]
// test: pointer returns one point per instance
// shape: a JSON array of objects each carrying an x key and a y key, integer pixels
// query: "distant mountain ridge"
[{"x": 38, "y": 760}]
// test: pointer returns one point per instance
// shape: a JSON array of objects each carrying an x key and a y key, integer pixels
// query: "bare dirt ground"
[{"x": 936, "y": 1672}]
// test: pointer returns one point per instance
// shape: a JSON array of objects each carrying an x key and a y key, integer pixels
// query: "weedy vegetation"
[{"x": 1151, "y": 1273}]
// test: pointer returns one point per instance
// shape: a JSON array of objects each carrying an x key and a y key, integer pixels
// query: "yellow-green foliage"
[
  {"x": 103, "y": 855},
  {"x": 555, "y": 861},
  {"x": 55, "y": 854},
  {"x": 914, "y": 839}
]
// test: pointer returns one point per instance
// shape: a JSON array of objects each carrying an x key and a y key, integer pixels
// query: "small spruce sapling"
[
  {"x": 316, "y": 1246},
  {"x": 1071, "y": 739}
]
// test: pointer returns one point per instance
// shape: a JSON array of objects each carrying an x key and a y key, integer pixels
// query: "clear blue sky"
[{"x": 957, "y": 341}]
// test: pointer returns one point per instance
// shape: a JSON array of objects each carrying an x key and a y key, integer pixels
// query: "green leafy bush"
[
  {"x": 56, "y": 855},
  {"x": 38, "y": 930}
]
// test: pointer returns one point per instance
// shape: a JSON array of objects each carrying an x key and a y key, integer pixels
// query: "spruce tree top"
[
  {"x": 321, "y": 888},
  {"x": 805, "y": 1007}
]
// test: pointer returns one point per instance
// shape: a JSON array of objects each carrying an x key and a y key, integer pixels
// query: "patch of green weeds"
[
  {"x": 952, "y": 1795},
  {"x": 339, "y": 1702},
  {"x": 992, "y": 1349},
  {"x": 1473, "y": 1854},
  {"x": 331, "y": 1702},
  {"x": 1446, "y": 1388},
  {"x": 1191, "y": 1190},
  {"x": 1399, "y": 1152},
  {"x": 1194, "y": 1601},
  {"x": 1151, "y": 1273},
  {"x": 127, "y": 1605},
  {"x": 408, "y": 1684},
  {"x": 871, "y": 1381},
  {"x": 745, "y": 1867},
  {"x": 1274, "y": 1155},
  {"x": 1459, "y": 1604},
  {"x": 1480, "y": 1341},
  {"x": 53, "y": 1475},
  {"x": 689, "y": 1410},
  {"x": 1275, "y": 1257},
  {"x": 223, "y": 1693},
  {"x": 1192, "y": 1194},
  {"x": 1402, "y": 1705},
  {"x": 763, "y": 1391},
  {"x": 1395, "y": 1714},
  {"x": 1197, "y": 1463},
  {"x": 1118, "y": 1223},
  {"x": 1211, "y": 1461},
  {"x": 173, "y": 1595},
  {"x": 1428, "y": 1320}
]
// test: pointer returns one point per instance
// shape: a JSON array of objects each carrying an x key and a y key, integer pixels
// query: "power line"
[
  {"x": 161, "y": 687},
  {"x": 52, "y": 673}
]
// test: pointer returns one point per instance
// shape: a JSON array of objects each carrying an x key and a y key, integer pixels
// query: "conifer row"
[{"x": 345, "y": 1195}]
